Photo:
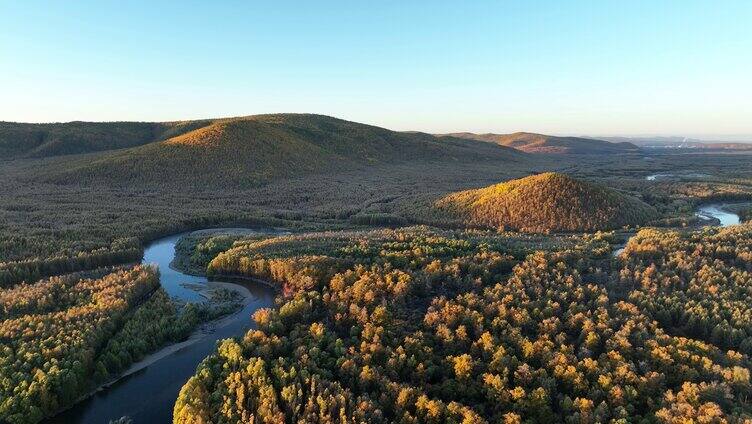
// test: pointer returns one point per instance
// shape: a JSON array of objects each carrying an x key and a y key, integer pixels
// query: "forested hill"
[
  {"x": 541, "y": 143},
  {"x": 547, "y": 202},
  {"x": 251, "y": 150},
  {"x": 19, "y": 140}
]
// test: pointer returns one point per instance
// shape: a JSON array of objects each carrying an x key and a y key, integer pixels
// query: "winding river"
[
  {"x": 148, "y": 395},
  {"x": 708, "y": 212}
]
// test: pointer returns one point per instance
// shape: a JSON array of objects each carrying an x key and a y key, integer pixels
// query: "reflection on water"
[
  {"x": 148, "y": 396},
  {"x": 714, "y": 211},
  {"x": 699, "y": 175},
  {"x": 161, "y": 253},
  {"x": 656, "y": 176}
]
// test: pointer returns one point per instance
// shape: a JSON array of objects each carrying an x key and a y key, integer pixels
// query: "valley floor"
[{"x": 50, "y": 230}]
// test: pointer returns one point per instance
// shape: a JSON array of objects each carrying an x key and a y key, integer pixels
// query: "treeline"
[
  {"x": 155, "y": 323},
  {"x": 304, "y": 262},
  {"x": 121, "y": 251},
  {"x": 681, "y": 195},
  {"x": 61, "y": 336},
  {"x": 51, "y": 331},
  {"x": 421, "y": 328},
  {"x": 194, "y": 252},
  {"x": 744, "y": 212}
]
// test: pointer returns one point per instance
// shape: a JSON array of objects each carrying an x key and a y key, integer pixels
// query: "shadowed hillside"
[
  {"x": 18, "y": 140},
  {"x": 541, "y": 143},
  {"x": 547, "y": 202},
  {"x": 251, "y": 150}
]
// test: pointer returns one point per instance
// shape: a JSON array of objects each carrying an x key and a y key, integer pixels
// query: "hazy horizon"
[
  {"x": 672, "y": 68},
  {"x": 709, "y": 138}
]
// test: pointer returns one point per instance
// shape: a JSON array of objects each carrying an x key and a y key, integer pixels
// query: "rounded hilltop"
[
  {"x": 238, "y": 152},
  {"x": 547, "y": 202}
]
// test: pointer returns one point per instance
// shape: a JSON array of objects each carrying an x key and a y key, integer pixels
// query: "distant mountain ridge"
[
  {"x": 251, "y": 150},
  {"x": 681, "y": 143},
  {"x": 541, "y": 143}
]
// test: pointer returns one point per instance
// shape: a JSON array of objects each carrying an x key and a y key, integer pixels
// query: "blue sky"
[{"x": 562, "y": 67}]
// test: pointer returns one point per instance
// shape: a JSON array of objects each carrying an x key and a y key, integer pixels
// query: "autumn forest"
[{"x": 411, "y": 278}]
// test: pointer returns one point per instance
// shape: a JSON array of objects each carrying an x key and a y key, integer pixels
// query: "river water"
[
  {"x": 656, "y": 177},
  {"x": 706, "y": 212},
  {"x": 148, "y": 395},
  {"x": 716, "y": 211}
]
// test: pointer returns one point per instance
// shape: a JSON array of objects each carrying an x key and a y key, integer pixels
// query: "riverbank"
[
  {"x": 186, "y": 245},
  {"x": 199, "y": 333},
  {"x": 147, "y": 389},
  {"x": 203, "y": 331},
  {"x": 714, "y": 214},
  {"x": 721, "y": 212}
]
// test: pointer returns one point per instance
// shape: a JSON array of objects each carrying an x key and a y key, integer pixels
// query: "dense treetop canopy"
[{"x": 416, "y": 327}]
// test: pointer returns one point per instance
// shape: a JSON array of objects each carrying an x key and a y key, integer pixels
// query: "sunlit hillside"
[
  {"x": 251, "y": 150},
  {"x": 547, "y": 202},
  {"x": 541, "y": 143}
]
